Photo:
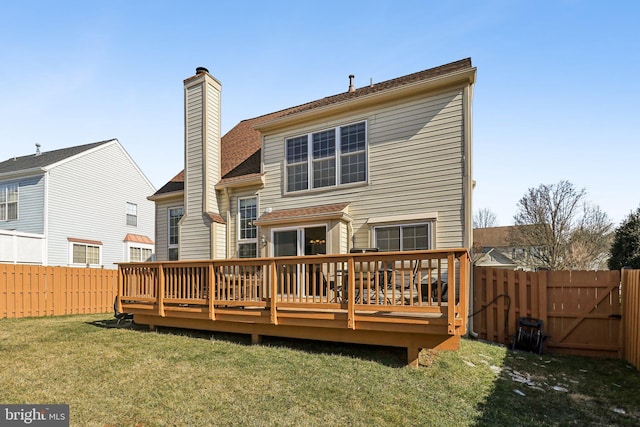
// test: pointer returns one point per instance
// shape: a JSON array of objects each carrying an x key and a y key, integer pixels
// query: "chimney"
[
  {"x": 351, "y": 88},
  {"x": 201, "y": 163}
]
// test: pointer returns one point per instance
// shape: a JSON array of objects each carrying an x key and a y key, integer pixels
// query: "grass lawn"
[{"x": 129, "y": 376}]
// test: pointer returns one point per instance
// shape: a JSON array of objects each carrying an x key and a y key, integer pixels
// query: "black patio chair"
[{"x": 118, "y": 315}]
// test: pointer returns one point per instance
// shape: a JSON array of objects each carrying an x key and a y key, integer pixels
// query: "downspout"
[
  {"x": 467, "y": 189},
  {"x": 228, "y": 225}
]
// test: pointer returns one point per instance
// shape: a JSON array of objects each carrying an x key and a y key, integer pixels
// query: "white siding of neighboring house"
[
  {"x": 87, "y": 199},
  {"x": 415, "y": 164},
  {"x": 162, "y": 225},
  {"x": 30, "y": 205}
]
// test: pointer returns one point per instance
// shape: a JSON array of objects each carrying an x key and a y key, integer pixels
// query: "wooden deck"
[{"x": 415, "y": 299}]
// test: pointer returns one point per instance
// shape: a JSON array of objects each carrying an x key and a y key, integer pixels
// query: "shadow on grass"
[
  {"x": 388, "y": 356},
  {"x": 552, "y": 390}
]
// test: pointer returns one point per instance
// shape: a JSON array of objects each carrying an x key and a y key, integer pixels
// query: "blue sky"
[{"x": 556, "y": 95}]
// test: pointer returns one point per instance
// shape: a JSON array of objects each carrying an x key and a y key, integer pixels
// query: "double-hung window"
[
  {"x": 175, "y": 214},
  {"x": 132, "y": 214},
  {"x": 247, "y": 230},
  {"x": 331, "y": 157},
  {"x": 8, "y": 202},
  {"x": 406, "y": 237}
]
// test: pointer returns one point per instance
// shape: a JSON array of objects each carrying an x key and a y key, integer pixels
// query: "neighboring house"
[
  {"x": 387, "y": 165},
  {"x": 492, "y": 248},
  {"x": 77, "y": 206}
]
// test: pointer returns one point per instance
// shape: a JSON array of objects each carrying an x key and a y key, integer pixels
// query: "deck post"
[
  {"x": 120, "y": 289},
  {"x": 413, "y": 353},
  {"x": 160, "y": 290},
  {"x": 451, "y": 290},
  {"x": 212, "y": 287},
  {"x": 274, "y": 292},
  {"x": 351, "y": 286},
  {"x": 256, "y": 339}
]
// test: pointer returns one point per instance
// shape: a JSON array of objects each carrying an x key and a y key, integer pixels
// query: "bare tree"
[
  {"x": 560, "y": 230},
  {"x": 484, "y": 218}
]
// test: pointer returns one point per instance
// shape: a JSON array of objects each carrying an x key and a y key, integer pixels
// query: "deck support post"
[
  {"x": 413, "y": 353},
  {"x": 256, "y": 339}
]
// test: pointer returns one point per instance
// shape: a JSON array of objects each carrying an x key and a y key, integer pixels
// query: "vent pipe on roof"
[
  {"x": 351, "y": 88},
  {"x": 201, "y": 70},
  {"x": 37, "y": 149}
]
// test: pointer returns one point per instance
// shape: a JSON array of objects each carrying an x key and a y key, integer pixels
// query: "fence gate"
[
  {"x": 584, "y": 313},
  {"x": 581, "y": 310}
]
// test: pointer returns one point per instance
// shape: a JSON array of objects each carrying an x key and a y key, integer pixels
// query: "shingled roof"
[
  {"x": 46, "y": 158},
  {"x": 240, "y": 147}
]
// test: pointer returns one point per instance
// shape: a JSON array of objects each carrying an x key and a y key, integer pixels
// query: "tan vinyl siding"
[
  {"x": 221, "y": 232},
  {"x": 213, "y": 143},
  {"x": 194, "y": 229},
  {"x": 162, "y": 226},
  {"x": 415, "y": 165}
]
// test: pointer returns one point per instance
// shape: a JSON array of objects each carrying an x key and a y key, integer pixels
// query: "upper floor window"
[
  {"x": 175, "y": 214},
  {"x": 8, "y": 202},
  {"x": 323, "y": 159},
  {"x": 132, "y": 214},
  {"x": 409, "y": 237},
  {"x": 247, "y": 230}
]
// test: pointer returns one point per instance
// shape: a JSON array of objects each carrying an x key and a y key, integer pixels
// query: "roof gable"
[
  {"x": 240, "y": 147},
  {"x": 47, "y": 158}
]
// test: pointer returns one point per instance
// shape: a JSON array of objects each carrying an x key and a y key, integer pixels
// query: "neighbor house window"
[
  {"x": 8, "y": 202},
  {"x": 331, "y": 157},
  {"x": 247, "y": 230},
  {"x": 410, "y": 237},
  {"x": 132, "y": 214},
  {"x": 175, "y": 214},
  {"x": 140, "y": 254},
  {"x": 86, "y": 253}
]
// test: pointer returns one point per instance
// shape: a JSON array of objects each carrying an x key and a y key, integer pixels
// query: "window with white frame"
[
  {"x": 403, "y": 237},
  {"x": 87, "y": 254},
  {"x": 175, "y": 214},
  {"x": 335, "y": 156},
  {"x": 9, "y": 202},
  {"x": 139, "y": 254},
  {"x": 132, "y": 214},
  {"x": 247, "y": 230}
]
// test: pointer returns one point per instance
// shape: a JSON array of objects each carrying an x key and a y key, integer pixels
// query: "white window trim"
[
  {"x": 76, "y": 264},
  {"x": 338, "y": 160},
  {"x": 175, "y": 245},
  {"x": 129, "y": 245},
  {"x": 241, "y": 241},
  {"x": 429, "y": 224},
  {"x": 5, "y": 188},
  {"x": 127, "y": 214}
]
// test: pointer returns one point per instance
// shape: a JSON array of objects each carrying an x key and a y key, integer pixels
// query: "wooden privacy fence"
[
  {"x": 588, "y": 313},
  {"x": 631, "y": 316},
  {"x": 32, "y": 290}
]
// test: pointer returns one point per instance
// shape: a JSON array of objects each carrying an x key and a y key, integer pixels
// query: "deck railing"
[{"x": 433, "y": 282}]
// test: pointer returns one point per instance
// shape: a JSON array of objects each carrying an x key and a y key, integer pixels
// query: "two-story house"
[
  {"x": 384, "y": 166},
  {"x": 78, "y": 206}
]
